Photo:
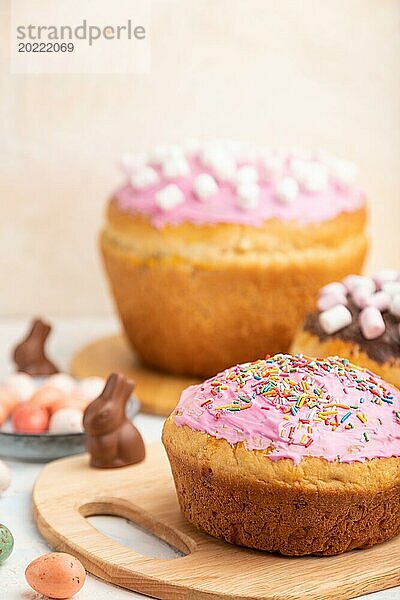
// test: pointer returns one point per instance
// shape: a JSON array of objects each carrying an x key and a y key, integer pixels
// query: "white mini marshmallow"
[
  {"x": 63, "y": 382},
  {"x": 381, "y": 300},
  {"x": 287, "y": 190},
  {"x": 335, "y": 319},
  {"x": 371, "y": 323},
  {"x": 392, "y": 288},
  {"x": 327, "y": 301},
  {"x": 386, "y": 275},
  {"x": 248, "y": 195},
  {"x": 273, "y": 165},
  {"x": 144, "y": 177},
  {"x": 130, "y": 162},
  {"x": 5, "y": 477},
  {"x": 212, "y": 154},
  {"x": 22, "y": 384},
  {"x": 361, "y": 296},
  {"x": 395, "y": 306},
  {"x": 205, "y": 186},
  {"x": 224, "y": 168},
  {"x": 311, "y": 175},
  {"x": 336, "y": 287},
  {"x": 91, "y": 387},
  {"x": 192, "y": 146},
  {"x": 342, "y": 171},
  {"x": 175, "y": 166},
  {"x": 353, "y": 282},
  {"x": 316, "y": 178},
  {"x": 169, "y": 197},
  {"x": 66, "y": 420},
  {"x": 246, "y": 174},
  {"x": 160, "y": 154}
]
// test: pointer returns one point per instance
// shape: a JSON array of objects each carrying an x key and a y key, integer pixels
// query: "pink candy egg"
[
  {"x": 56, "y": 575},
  {"x": 30, "y": 418},
  {"x": 74, "y": 400}
]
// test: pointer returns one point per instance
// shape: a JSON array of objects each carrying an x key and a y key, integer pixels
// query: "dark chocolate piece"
[
  {"x": 382, "y": 349},
  {"x": 30, "y": 356},
  {"x": 111, "y": 439}
]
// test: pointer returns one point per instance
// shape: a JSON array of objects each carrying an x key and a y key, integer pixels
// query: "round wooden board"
[{"x": 158, "y": 392}]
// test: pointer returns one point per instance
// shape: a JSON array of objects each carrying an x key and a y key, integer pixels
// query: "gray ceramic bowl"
[{"x": 47, "y": 446}]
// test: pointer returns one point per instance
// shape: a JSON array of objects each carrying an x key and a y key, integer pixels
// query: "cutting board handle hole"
[{"x": 134, "y": 529}]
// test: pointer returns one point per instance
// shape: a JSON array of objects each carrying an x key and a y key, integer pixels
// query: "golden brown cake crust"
[
  {"x": 316, "y": 507},
  {"x": 307, "y": 343},
  {"x": 196, "y": 299}
]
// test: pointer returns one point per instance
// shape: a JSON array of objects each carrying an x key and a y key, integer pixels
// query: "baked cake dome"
[
  {"x": 215, "y": 252},
  {"x": 289, "y": 454}
]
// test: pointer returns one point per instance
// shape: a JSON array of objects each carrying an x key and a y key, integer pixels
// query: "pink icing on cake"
[
  {"x": 294, "y": 407},
  {"x": 325, "y": 201}
]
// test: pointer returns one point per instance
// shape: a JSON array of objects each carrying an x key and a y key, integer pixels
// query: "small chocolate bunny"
[
  {"x": 29, "y": 356},
  {"x": 111, "y": 439}
]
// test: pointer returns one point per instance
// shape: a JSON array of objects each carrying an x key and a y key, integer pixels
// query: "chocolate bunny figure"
[
  {"x": 29, "y": 356},
  {"x": 111, "y": 439}
]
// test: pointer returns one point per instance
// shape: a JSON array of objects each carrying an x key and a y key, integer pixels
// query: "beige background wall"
[{"x": 322, "y": 73}]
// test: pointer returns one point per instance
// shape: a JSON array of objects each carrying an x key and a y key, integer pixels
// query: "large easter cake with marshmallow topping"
[
  {"x": 215, "y": 252},
  {"x": 357, "y": 318},
  {"x": 289, "y": 454}
]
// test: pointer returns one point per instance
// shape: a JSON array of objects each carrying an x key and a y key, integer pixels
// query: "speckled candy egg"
[
  {"x": 5, "y": 477},
  {"x": 6, "y": 543},
  {"x": 29, "y": 418},
  {"x": 66, "y": 420},
  {"x": 56, "y": 575}
]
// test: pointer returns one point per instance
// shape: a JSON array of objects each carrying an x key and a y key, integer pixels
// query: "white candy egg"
[
  {"x": 63, "y": 382},
  {"x": 91, "y": 387},
  {"x": 22, "y": 384},
  {"x": 66, "y": 420}
]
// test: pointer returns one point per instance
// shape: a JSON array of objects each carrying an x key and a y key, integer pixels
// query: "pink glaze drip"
[
  {"x": 274, "y": 423},
  {"x": 307, "y": 209}
]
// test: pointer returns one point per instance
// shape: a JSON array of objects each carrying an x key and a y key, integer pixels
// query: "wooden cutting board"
[
  {"x": 158, "y": 392},
  {"x": 68, "y": 490}
]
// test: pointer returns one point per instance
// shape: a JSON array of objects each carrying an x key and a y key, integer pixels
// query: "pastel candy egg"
[
  {"x": 30, "y": 418},
  {"x": 8, "y": 397},
  {"x": 4, "y": 414},
  {"x": 91, "y": 387},
  {"x": 46, "y": 396},
  {"x": 56, "y": 575},
  {"x": 62, "y": 381},
  {"x": 66, "y": 420},
  {"x": 6, "y": 543},
  {"x": 22, "y": 384},
  {"x": 74, "y": 400}
]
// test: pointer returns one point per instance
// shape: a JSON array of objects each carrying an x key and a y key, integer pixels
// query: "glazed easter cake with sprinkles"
[
  {"x": 358, "y": 318},
  {"x": 289, "y": 454},
  {"x": 215, "y": 251}
]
